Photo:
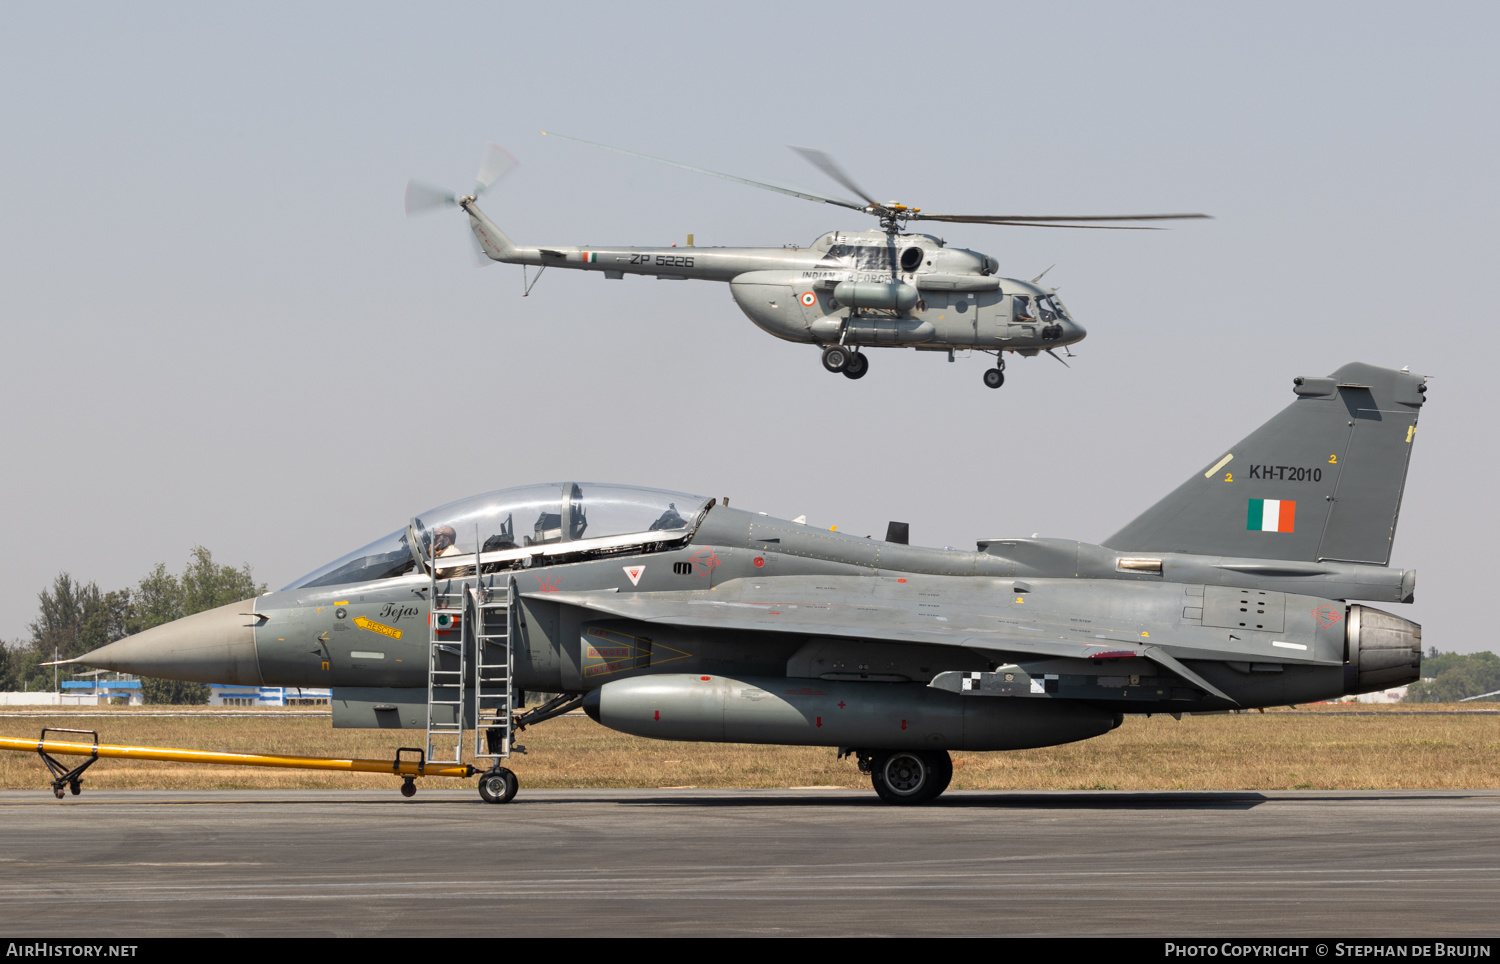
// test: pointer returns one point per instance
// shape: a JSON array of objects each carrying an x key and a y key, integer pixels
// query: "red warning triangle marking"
[{"x": 634, "y": 572}]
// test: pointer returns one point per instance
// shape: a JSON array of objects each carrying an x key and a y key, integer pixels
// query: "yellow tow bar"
[{"x": 63, "y": 776}]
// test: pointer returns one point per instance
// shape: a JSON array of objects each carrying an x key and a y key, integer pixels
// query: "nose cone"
[
  {"x": 1073, "y": 332},
  {"x": 214, "y": 646}
]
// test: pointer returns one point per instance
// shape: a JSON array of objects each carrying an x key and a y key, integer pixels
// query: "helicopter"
[{"x": 845, "y": 292}]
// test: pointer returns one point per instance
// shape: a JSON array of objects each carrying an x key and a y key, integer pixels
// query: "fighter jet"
[{"x": 674, "y": 616}]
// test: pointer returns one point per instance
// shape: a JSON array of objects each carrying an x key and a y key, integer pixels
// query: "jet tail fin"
[{"x": 1322, "y": 480}]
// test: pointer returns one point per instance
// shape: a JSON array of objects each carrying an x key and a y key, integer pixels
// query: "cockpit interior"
[{"x": 567, "y": 521}]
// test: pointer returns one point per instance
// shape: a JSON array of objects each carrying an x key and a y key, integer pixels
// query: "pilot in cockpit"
[{"x": 444, "y": 541}]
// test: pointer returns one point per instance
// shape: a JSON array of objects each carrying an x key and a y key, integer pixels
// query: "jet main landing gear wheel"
[
  {"x": 835, "y": 357},
  {"x": 994, "y": 378},
  {"x": 857, "y": 365},
  {"x": 498, "y": 785},
  {"x": 911, "y": 776}
]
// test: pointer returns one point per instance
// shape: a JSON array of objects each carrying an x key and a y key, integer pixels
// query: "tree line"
[
  {"x": 1450, "y": 677},
  {"x": 75, "y": 617}
]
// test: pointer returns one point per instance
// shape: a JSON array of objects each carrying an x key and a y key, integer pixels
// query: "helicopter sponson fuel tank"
[
  {"x": 845, "y": 292},
  {"x": 1254, "y": 583}
]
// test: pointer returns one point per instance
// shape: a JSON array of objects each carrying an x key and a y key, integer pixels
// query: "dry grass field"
[{"x": 1315, "y": 747}]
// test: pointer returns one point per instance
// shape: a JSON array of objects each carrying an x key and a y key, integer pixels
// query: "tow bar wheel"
[{"x": 498, "y": 785}]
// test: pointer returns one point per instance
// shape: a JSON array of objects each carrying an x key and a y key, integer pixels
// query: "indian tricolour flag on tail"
[{"x": 1271, "y": 515}]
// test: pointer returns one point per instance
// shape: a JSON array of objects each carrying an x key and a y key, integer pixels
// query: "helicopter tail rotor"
[
  {"x": 422, "y": 198},
  {"x": 497, "y": 163}
]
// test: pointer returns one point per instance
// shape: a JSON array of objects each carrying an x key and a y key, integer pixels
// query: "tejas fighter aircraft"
[{"x": 671, "y": 616}]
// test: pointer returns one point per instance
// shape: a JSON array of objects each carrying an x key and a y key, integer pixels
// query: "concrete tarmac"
[{"x": 749, "y": 862}]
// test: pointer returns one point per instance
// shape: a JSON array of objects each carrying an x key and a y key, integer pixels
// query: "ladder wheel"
[
  {"x": 74, "y": 788},
  {"x": 59, "y": 792},
  {"x": 409, "y": 788},
  {"x": 498, "y": 786}
]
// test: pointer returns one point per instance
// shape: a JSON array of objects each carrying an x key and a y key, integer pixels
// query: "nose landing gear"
[{"x": 498, "y": 785}]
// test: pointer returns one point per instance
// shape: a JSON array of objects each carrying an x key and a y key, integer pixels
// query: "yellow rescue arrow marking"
[{"x": 375, "y": 627}]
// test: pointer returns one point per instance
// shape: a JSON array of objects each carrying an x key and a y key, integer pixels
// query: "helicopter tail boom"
[{"x": 493, "y": 242}]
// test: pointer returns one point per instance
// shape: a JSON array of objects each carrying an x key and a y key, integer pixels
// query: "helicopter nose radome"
[
  {"x": 214, "y": 646},
  {"x": 1073, "y": 332}
]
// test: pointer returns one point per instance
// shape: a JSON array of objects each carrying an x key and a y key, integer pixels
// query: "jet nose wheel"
[
  {"x": 498, "y": 786},
  {"x": 857, "y": 365},
  {"x": 835, "y": 357},
  {"x": 994, "y": 378},
  {"x": 911, "y": 776}
]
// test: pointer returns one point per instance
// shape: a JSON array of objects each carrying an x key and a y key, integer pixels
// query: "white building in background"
[
  {"x": 1393, "y": 695},
  {"x": 226, "y": 695}
]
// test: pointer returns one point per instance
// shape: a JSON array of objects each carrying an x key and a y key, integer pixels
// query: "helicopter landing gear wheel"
[
  {"x": 911, "y": 776},
  {"x": 994, "y": 378},
  {"x": 498, "y": 786},
  {"x": 835, "y": 357},
  {"x": 857, "y": 365},
  {"x": 409, "y": 787}
]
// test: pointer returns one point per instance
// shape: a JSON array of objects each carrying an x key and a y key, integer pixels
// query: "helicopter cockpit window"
[{"x": 1051, "y": 309}]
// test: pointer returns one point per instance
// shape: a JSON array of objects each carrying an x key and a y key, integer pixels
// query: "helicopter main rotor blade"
[
  {"x": 1051, "y": 220},
  {"x": 805, "y": 195},
  {"x": 829, "y": 166},
  {"x": 497, "y": 163},
  {"x": 421, "y": 198}
]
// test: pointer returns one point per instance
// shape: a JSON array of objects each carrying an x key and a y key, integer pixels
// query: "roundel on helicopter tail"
[{"x": 809, "y": 299}]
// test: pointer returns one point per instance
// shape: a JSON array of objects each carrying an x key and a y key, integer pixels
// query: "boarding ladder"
[
  {"x": 492, "y": 686},
  {"x": 470, "y": 663}
]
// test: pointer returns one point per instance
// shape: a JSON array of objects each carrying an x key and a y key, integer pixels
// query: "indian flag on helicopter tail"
[
  {"x": 588, "y": 257},
  {"x": 1271, "y": 515}
]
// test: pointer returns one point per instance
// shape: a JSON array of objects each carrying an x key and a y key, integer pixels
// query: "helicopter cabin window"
[
  {"x": 863, "y": 257},
  {"x": 1023, "y": 308}
]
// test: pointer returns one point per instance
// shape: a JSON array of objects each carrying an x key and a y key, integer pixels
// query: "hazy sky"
[{"x": 221, "y": 329}]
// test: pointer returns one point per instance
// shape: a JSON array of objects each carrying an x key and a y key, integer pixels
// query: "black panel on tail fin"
[{"x": 1321, "y": 480}]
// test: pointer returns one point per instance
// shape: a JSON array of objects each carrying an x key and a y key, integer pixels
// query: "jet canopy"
[{"x": 509, "y": 526}]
